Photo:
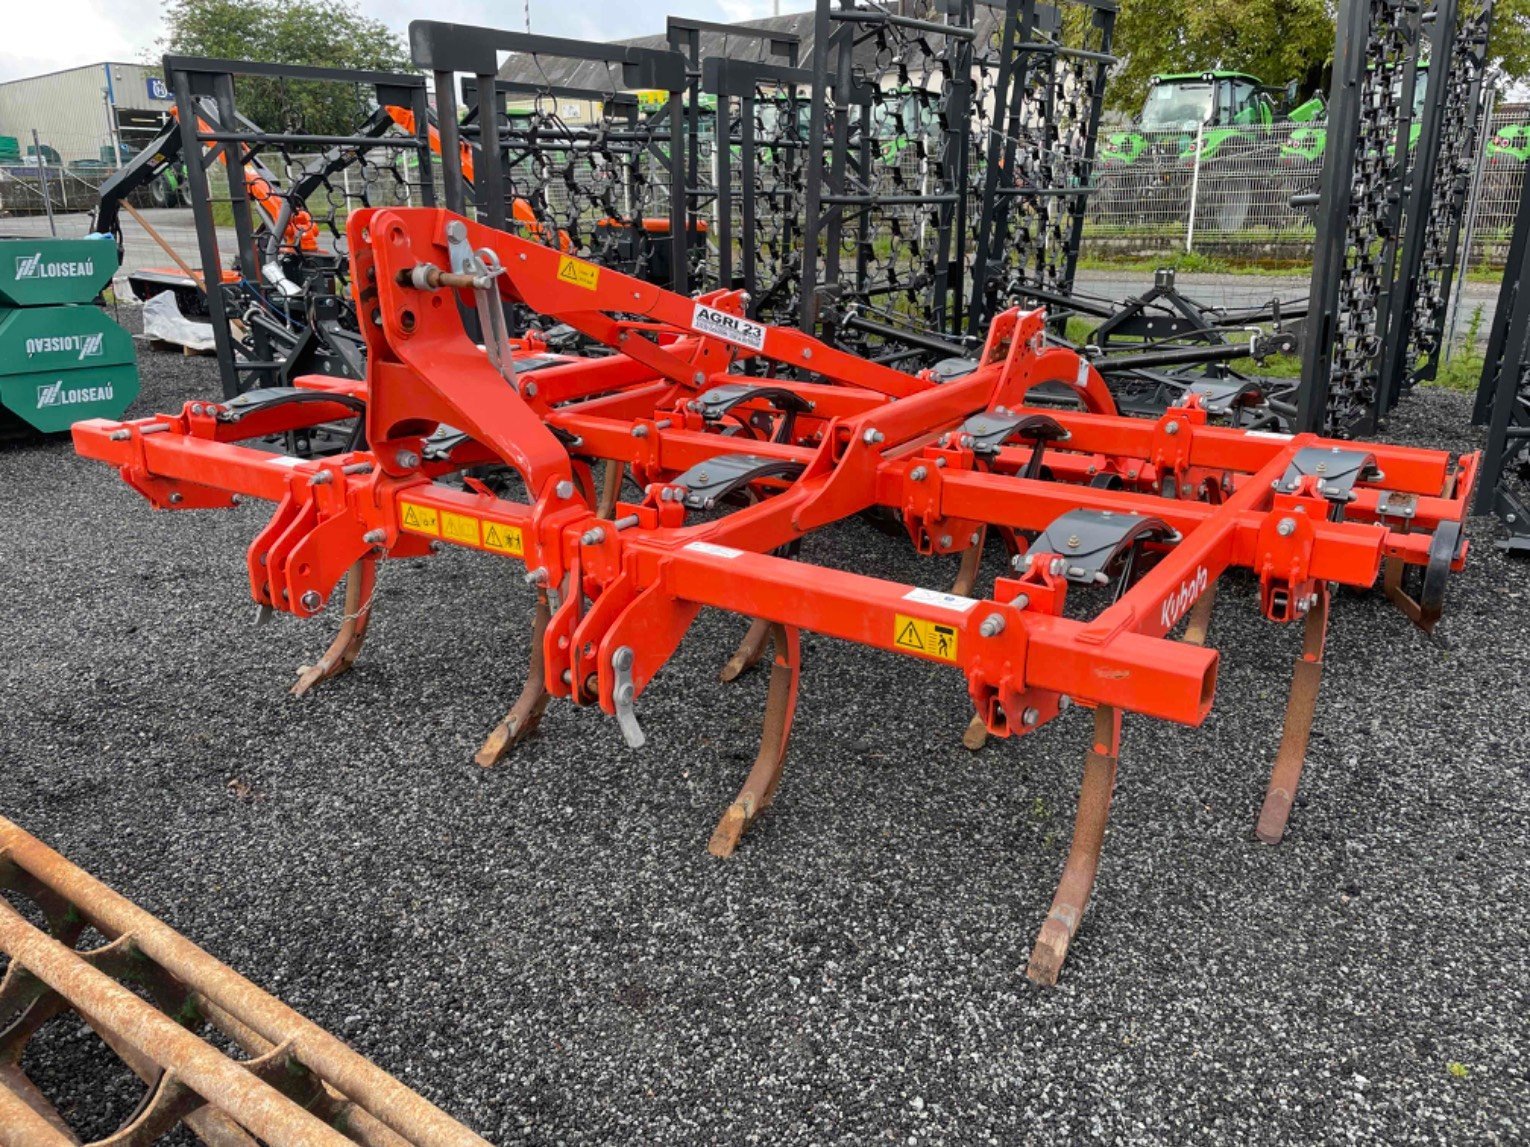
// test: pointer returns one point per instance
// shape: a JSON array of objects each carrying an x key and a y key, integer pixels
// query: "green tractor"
[{"x": 1206, "y": 118}]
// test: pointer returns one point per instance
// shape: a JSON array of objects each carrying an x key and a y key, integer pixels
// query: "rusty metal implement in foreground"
[
  {"x": 743, "y": 438},
  {"x": 299, "y": 1085}
]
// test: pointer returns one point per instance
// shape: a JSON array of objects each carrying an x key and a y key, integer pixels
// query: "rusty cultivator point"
[
  {"x": 298, "y": 1085},
  {"x": 745, "y": 437}
]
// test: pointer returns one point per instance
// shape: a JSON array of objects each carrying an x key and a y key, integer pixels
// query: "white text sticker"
[
  {"x": 720, "y": 324},
  {"x": 714, "y": 551},
  {"x": 933, "y": 597}
]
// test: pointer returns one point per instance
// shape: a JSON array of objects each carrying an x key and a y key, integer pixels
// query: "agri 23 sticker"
[{"x": 730, "y": 328}]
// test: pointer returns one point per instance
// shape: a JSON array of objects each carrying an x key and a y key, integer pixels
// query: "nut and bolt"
[
  {"x": 593, "y": 537},
  {"x": 529, "y": 390},
  {"x": 1285, "y": 527},
  {"x": 407, "y": 460},
  {"x": 945, "y": 541},
  {"x": 992, "y": 626},
  {"x": 1030, "y": 716},
  {"x": 375, "y": 537},
  {"x": 311, "y": 600},
  {"x": 1171, "y": 428},
  {"x": 537, "y": 576},
  {"x": 918, "y": 474},
  {"x": 872, "y": 436},
  {"x": 564, "y": 489}
]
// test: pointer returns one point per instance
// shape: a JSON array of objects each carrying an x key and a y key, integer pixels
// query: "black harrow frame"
[
  {"x": 290, "y": 272},
  {"x": 1503, "y": 396}
]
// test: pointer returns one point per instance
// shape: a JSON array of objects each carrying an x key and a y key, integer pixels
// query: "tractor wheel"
[
  {"x": 1229, "y": 202},
  {"x": 161, "y": 194}
]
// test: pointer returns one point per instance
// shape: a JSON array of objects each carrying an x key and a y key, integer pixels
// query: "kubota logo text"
[
  {"x": 1178, "y": 603},
  {"x": 33, "y": 267},
  {"x": 89, "y": 346},
  {"x": 55, "y": 395}
]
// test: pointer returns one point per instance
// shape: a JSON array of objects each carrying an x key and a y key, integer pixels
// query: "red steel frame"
[{"x": 620, "y": 582}]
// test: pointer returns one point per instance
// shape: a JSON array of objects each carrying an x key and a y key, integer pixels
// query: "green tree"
[
  {"x": 1276, "y": 40},
  {"x": 330, "y": 33}
]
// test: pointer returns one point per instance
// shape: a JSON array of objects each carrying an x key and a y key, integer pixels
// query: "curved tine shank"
[
  {"x": 765, "y": 776},
  {"x": 1292, "y": 756},
  {"x": 610, "y": 488},
  {"x": 1199, "y": 624},
  {"x": 1077, "y": 882},
  {"x": 972, "y": 560},
  {"x": 360, "y": 583},
  {"x": 749, "y": 651},
  {"x": 527, "y": 711}
]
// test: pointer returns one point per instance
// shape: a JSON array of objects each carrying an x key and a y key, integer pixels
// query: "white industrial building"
[{"x": 85, "y": 114}]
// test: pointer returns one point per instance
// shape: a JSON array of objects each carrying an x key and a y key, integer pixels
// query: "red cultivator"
[{"x": 744, "y": 438}]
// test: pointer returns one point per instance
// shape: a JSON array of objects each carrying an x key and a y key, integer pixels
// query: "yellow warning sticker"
[
  {"x": 503, "y": 539},
  {"x": 419, "y": 519},
  {"x": 459, "y": 528},
  {"x": 927, "y": 637},
  {"x": 578, "y": 272}
]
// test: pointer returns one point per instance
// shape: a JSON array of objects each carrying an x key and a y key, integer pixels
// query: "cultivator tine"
[
  {"x": 360, "y": 585},
  {"x": 749, "y": 651},
  {"x": 1077, "y": 882},
  {"x": 765, "y": 776},
  {"x": 1292, "y": 756},
  {"x": 1199, "y": 625},
  {"x": 610, "y": 488},
  {"x": 526, "y": 713},
  {"x": 972, "y": 561},
  {"x": 149, "y": 993}
]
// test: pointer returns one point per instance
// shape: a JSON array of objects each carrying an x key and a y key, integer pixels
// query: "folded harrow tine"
[
  {"x": 765, "y": 775},
  {"x": 1077, "y": 882},
  {"x": 360, "y": 587},
  {"x": 526, "y": 713},
  {"x": 745, "y": 438},
  {"x": 1286, "y": 773},
  {"x": 301, "y": 1085}
]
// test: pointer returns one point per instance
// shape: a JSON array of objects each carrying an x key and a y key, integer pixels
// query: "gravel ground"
[{"x": 547, "y": 951}]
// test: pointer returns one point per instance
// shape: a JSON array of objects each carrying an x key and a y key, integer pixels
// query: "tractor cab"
[{"x": 1219, "y": 107}]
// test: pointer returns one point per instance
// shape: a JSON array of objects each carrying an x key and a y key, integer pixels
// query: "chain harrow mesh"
[
  {"x": 1461, "y": 124},
  {"x": 1369, "y": 241}
]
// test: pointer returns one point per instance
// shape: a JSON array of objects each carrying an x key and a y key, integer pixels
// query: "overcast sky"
[{"x": 48, "y": 35}]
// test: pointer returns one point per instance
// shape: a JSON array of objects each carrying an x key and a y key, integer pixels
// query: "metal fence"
[{"x": 1227, "y": 191}]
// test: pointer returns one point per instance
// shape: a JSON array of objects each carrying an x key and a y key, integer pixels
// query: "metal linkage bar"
[
  {"x": 1364, "y": 162},
  {"x": 1504, "y": 395},
  {"x": 299, "y": 1085},
  {"x": 449, "y": 49},
  {"x": 1118, "y": 527}
]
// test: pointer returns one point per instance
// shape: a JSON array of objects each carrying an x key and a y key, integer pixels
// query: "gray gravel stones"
[{"x": 547, "y": 951}]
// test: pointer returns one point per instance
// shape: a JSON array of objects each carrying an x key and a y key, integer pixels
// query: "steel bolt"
[
  {"x": 1030, "y": 716},
  {"x": 992, "y": 626},
  {"x": 529, "y": 390},
  {"x": 918, "y": 474},
  {"x": 593, "y": 537},
  {"x": 176, "y": 499},
  {"x": 640, "y": 432},
  {"x": 945, "y": 541},
  {"x": 807, "y": 352},
  {"x": 621, "y": 660},
  {"x": 1064, "y": 702},
  {"x": 564, "y": 489},
  {"x": 311, "y": 600},
  {"x": 407, "y": 460},
  {"x": 1171, "y": 428},
  {"x": 1285, "y": 527},
  {"x": 872, "y": 436},
  {"x": 1021, "y": 601},
  {"x": 537, "y": 576},
  {"x": 976, "y": 536},
  {"x": 699, "y": 377}
]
